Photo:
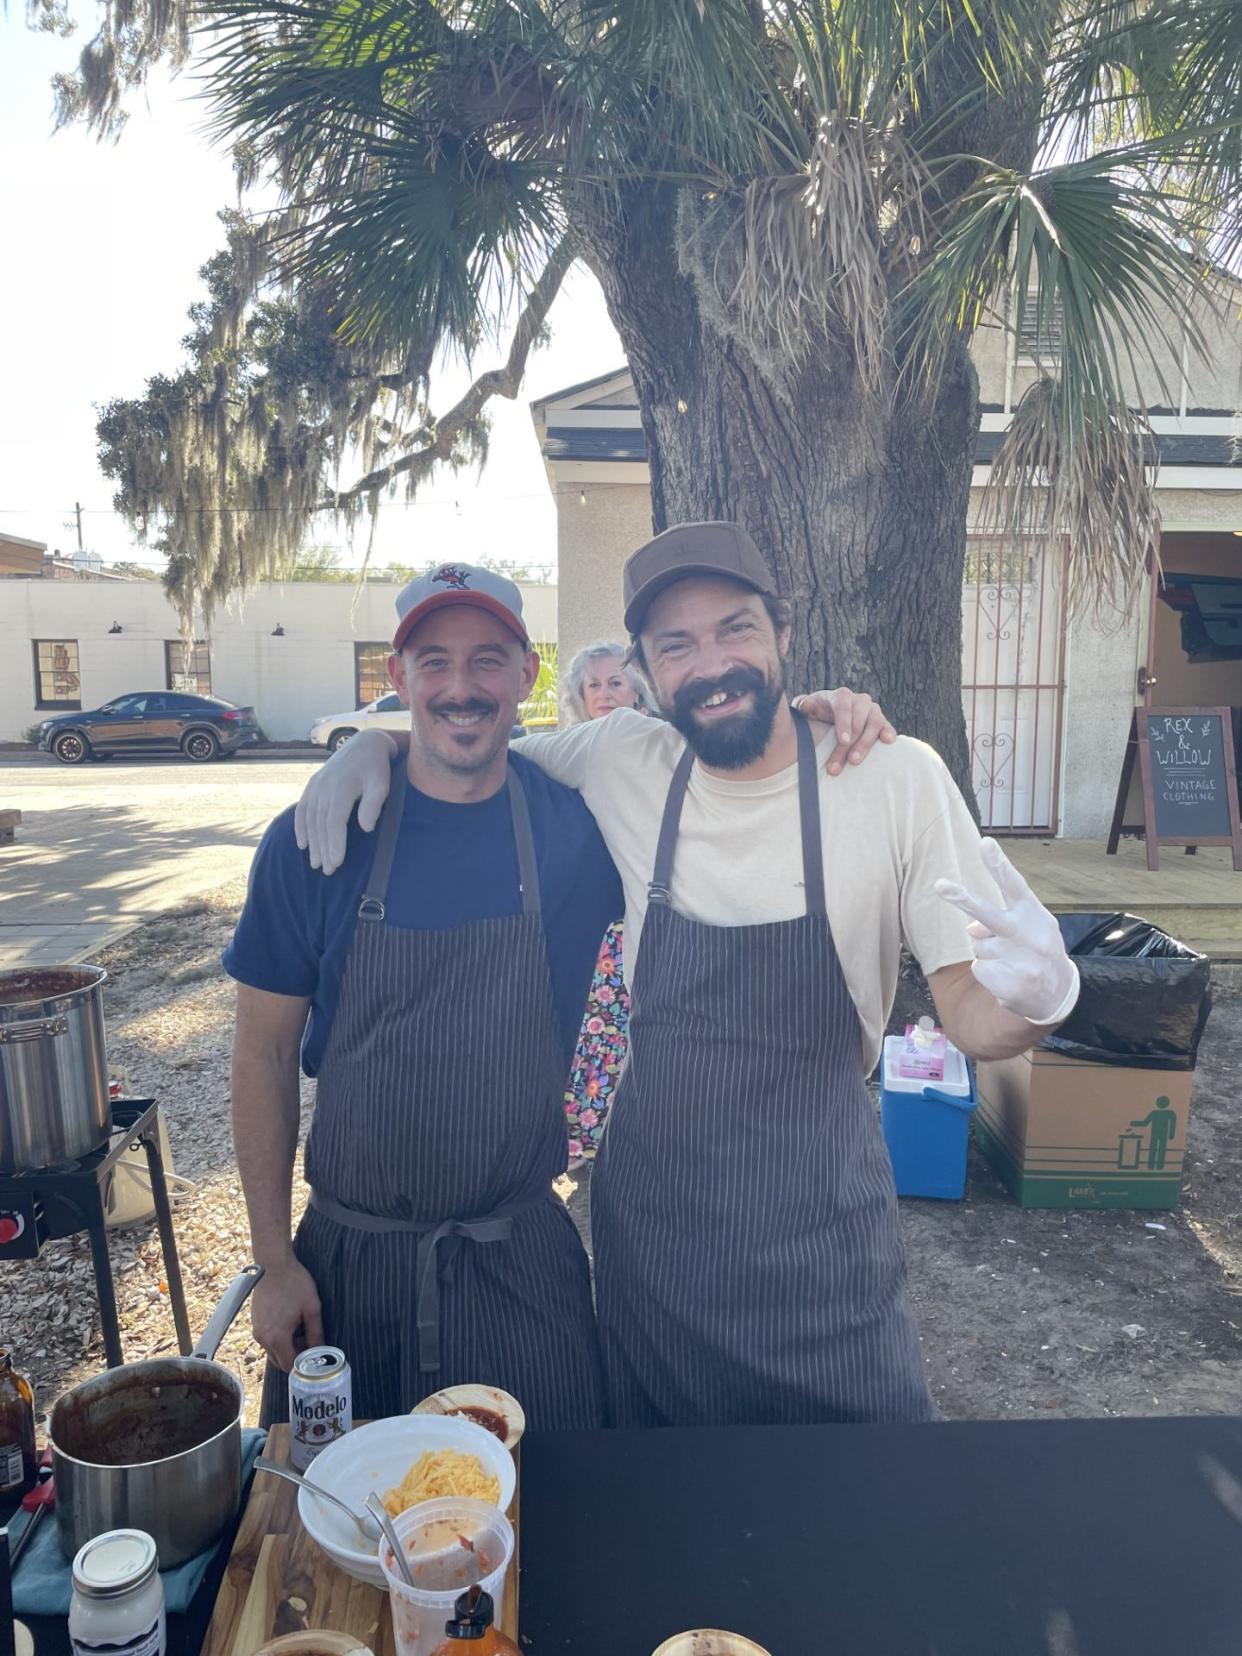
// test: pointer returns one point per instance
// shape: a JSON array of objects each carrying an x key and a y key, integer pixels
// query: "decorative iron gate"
[{"x": 1013, "y": 681}]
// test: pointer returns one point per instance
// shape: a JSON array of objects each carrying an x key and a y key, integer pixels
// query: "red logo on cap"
[
  {"x": 12, "y": 1225},
  {"x": 452, "y": 577}
]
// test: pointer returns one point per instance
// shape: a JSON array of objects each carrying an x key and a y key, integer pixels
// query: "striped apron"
[
  {"x": 748, "y": 1256},
  {"x": 439, "y": 1250}
]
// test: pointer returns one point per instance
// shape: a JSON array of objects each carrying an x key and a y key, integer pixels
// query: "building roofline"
[{"x": 582, "y": 385}]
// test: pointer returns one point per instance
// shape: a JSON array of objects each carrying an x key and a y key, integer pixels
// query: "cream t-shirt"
[{"x": 891, "y": 827}]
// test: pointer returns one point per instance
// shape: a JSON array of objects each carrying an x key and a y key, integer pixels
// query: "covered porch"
[{"x": 1195, "y": 899}]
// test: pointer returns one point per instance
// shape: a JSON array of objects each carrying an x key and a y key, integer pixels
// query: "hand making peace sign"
[{"x": 1020, "y": 956}]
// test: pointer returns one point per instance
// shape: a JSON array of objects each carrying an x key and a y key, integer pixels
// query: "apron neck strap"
[
  {"x": 662, "y": 875},
  {"x": 524, "y": 839},
  {"x": 660, "y": 889},
  {"x": 808, "y": 815},
  {"x": 372, "y": 905}
]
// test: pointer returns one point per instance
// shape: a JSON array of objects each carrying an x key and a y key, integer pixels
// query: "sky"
[{"x": 102, "y": 248}]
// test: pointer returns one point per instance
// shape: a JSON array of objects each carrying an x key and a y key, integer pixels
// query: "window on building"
[
  {"x": 370, "y": 672},
  {"x": 1039, "y": 331},
  {"x": 57, "y": 683},
  {"x": 187, "y": 667}
]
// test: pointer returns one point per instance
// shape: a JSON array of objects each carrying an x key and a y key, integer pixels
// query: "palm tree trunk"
[{"x": 860, "y": 507}]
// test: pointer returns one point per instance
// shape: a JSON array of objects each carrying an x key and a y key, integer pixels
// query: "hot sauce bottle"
[
  {"x": 18, "y": 1462},
  {"x": 471, "y": 1633}
]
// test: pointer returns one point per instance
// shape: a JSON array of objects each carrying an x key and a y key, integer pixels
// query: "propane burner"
[{"x": 56, "y": 1202}]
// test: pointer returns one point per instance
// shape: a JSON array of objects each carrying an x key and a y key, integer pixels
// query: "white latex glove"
[
  {"x": 357, "y": 774},
  {"x": 1020, "y": 956}
]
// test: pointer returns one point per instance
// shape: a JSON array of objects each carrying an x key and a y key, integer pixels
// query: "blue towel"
[{"x": 43, "y": 1584}]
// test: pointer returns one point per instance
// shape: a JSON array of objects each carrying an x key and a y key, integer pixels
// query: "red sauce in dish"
[{"x": 487, "y": 1418}]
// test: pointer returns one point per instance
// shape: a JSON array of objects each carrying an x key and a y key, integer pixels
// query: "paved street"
[{"x": 102, "y": 847}]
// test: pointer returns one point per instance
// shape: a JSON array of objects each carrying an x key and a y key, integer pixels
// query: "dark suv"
[{"x": 155, "y": 721}]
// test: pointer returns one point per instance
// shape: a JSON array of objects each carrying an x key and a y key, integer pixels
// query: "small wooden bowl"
[
  {"x": 312, "y": 1643},
  {"x": 454, "y": 1399},
  {"x": 709, "y": 1641}
]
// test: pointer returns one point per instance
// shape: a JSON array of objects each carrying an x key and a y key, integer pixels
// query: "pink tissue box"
[{"x": 922, "y": 1054}]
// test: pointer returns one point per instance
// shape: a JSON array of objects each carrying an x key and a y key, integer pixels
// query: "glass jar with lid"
[{"x": 118, "y": 1597}]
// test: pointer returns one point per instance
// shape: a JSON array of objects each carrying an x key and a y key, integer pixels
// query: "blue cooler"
[{"x": 927, "y": 1124}]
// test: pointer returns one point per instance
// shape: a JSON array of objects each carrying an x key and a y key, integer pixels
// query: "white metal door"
[{"x": 1013, "y": 668}]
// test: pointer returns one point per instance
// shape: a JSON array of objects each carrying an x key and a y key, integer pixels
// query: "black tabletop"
[{"x": 1056, "y": 1538}]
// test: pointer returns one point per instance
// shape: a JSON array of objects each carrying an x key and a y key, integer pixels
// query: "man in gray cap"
[{"x": 749, "y": 1264}]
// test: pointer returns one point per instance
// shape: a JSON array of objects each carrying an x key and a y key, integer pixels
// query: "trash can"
[
  {"x": 926, "y": 1125},
  {"x": 1096, "y": 1115}
]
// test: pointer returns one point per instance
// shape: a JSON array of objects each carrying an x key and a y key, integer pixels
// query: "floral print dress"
[{"x": 600, "y": 1054}]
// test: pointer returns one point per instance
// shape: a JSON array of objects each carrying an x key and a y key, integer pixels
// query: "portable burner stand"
[{"x": 42, "y": 1207}]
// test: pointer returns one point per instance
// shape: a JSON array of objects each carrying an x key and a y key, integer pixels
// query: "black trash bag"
[{"x": 1145, "y": 997}]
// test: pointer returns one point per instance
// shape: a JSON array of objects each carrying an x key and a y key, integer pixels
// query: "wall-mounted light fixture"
[
  {"x": 116, "y": 627},
  {"x": 278, "y": 631}
]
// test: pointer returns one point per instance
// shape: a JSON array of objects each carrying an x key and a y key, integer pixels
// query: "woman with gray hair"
[{"x": 599, "y": 679}]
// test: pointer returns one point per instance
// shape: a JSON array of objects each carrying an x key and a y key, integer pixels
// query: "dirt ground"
[{"x": 1021, "y": 1313}]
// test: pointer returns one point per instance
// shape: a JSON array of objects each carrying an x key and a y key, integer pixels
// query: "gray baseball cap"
[
  {"x": 458, "y": 583},
  {"x": 691, "y": 549}
]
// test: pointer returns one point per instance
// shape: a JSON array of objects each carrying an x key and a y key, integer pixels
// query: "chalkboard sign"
[{"x": 1190, "y": 789}]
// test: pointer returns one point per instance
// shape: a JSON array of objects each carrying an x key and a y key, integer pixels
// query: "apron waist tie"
[{"x": 495, "y": 1227}]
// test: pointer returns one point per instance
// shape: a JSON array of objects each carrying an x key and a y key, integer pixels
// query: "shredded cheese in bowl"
[{"x": 441, "y": 1472}]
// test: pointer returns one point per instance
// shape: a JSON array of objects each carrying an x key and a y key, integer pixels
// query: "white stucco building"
[
  {"x": 293, "y": 651},
  {"x": 1030, "y": 677}
]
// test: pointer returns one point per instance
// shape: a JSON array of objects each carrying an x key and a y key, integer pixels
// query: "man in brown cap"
[{"x": 749, "y": 1263}]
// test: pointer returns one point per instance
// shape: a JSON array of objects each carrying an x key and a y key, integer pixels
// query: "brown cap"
[{"x": 691, "y": 549}]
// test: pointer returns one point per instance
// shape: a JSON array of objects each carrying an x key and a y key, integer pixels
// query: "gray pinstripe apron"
[
  {"x": 440, "y": 1252},
  {"x": 748, "y": 1257}
]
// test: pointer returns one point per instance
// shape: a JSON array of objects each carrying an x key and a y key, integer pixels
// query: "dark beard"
[{"x": 741, "y": 739}]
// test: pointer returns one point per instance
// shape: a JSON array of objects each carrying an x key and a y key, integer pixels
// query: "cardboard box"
[{"x": 1063, "y": 1133}]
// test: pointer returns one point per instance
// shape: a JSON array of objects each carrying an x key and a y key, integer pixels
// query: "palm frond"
[
  {"x": 419, "y": 159},
  {"x": 1126, "y": 71},
  {"x": 1093, "y": 237},
  {"x": 1091, "y": 482},
  {"x": 1098, "y": 247}
]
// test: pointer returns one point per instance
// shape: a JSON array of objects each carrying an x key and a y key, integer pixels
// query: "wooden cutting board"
[{"x": 278, "y": 1581}]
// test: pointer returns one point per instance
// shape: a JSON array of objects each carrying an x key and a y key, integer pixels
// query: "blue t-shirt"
[{"x": 453, "y": 864}]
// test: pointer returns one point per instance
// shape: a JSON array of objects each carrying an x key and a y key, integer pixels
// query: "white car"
[{"x": 385, "y": 713}]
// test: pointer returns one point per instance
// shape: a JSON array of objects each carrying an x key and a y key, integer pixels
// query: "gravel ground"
[
  {"x": 170, "y": 1018},
  {"x": 1021, "y": 1313}
]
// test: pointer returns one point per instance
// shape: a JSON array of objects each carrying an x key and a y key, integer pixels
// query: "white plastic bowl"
[{"x": 377, "y": 1457}]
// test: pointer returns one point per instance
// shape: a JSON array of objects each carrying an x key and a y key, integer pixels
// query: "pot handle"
[
  {"x": 225, "y": 1314},
  {"x": 37, "y": 1029}
]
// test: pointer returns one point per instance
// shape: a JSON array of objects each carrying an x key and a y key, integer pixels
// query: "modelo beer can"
[{"x": 321, "y": 1406}]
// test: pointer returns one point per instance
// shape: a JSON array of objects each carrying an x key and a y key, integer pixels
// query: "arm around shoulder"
[
  {"x": 360, "y": 773},
  {"x": 568, "y": 755}
]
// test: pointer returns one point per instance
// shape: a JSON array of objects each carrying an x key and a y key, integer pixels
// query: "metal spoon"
[
  {"x": 364, "y": 1520},
  {"x": 390, "y": 1535}
]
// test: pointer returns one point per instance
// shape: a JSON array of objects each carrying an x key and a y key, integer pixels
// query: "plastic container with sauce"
[{"x": 452, "y": 1544}]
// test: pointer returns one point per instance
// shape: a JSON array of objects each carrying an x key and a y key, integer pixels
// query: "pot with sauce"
[{"x": 154, "y": 1446}]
